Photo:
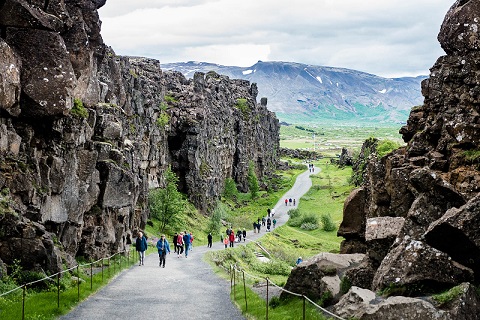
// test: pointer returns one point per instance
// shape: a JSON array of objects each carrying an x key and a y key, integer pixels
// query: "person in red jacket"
[{"x": 231, "y": 238}]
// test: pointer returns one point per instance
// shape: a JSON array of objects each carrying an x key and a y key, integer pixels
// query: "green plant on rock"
[
  {"x": 448, "y": 296},
  {"x": 242, "y": 105},
  {"x": 78, "y": 109},
  {"x": 472, "y": 156},
  {"x": 163, "y": 119},
  {"x": 170, "y": 98},
  {"x": 386, "y": 146}
]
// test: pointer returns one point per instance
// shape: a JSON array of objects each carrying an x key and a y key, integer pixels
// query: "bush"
[
  {"x": 309, "y": 226},
  {"x": 386, "y": 146},
  {"x": 78, "y": 109},
  {"x": 294, "y": 213},
  {"x": 327, "y": 222},
  {"x": 274, "y": 302}
]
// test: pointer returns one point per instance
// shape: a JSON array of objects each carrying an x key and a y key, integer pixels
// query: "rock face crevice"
[{"x": 85, "y": 134}]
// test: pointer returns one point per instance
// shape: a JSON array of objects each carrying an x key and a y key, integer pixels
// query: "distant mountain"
[{"x": 306, "y": 93}]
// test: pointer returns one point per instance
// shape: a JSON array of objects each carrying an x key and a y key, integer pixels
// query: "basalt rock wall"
[
  {"x": 84, "y": 135},
  {"x": 432, "y": 184}
]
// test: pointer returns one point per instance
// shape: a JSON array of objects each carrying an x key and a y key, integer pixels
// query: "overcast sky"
[{"x": 389, "y": 38}]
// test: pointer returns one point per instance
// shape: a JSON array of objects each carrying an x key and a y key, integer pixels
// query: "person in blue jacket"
[
  {"x": 162, "y": 247},
  {"x": 186, "y": 241},
  {"x": 141, "y": 246}
]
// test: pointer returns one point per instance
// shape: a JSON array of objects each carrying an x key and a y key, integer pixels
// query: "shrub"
[
  {"x": 294, "y": 213},
  {"x": 242, "y": 105},
  {"x": 386, "y": 146},
  {"x": 252, "y": 181},
  {"x": 327, "y": 222},
  {"x": 163, "y": 119},
  {"x": 309, "y": 226},
  {"x": 274, "y": 302},
  {"x": 78, "y": 109}
]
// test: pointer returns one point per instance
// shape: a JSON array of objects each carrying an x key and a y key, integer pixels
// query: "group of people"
[
  {"x": 290, "y": 201},
  {"x": 182, "y": 242},
  {"x": 231, "y": 237}
]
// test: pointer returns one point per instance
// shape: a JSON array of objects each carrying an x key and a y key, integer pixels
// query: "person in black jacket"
[
  {"x": 209, "y": 239},
  {"x": 174, "y": 241}
]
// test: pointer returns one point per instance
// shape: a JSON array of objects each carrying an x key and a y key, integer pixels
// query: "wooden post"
[
  {"x": 231, "y": 279},
  {"x": 304, "y": 307},
  {"x": 23, "y": 301},
  {"x": 245, "y": 290},
  {"x": 102, "y": 270},
  {"x": 78, "y": 282},
  {"x": 266, "y": 316},
  {"x": 234, "y": 283},
  {"x": 91, "y": 276},
  {"x": 58, "y": 290}
]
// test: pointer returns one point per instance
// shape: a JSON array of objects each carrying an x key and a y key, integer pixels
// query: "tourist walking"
[
  {"x": 186, "y": 242},
  {"x": 209, "y": 240},
  {"x": 286, "y": 202},
  {"x": 141, "y": 246},
  {"x": 180, "y": 244},
  {"x": 231, "y": 238},
  {"x": 174, "y": 241},
  {"x": 163, "y": 248},
  {"x": 274, "y": 223},
  {"x": 225, "y": 242},
  {"x": 244, "y": 233}
]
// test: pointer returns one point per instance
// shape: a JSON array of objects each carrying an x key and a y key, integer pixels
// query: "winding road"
[{"x": 186, "y": 288}]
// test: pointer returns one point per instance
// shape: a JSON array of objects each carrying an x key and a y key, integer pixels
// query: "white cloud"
[{"x": 389, "y": 38}]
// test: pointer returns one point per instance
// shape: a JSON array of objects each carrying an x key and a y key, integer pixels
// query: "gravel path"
[{"x": 186, "y": 288}]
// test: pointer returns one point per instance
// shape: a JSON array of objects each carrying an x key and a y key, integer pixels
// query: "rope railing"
[
  {"x": 58, "y": 274},
  {"x": 235, "y": 269}
]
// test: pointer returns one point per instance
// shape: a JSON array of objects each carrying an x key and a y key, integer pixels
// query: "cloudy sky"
[{"x": 390, "y": 38}]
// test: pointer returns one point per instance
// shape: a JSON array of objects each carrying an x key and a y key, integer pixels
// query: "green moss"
[
  {"x": 170, "y": 98},
  {"x": 472, "y": 156},
  {"x": 78, "y": 110},
  {"x": 448, "y": 296}
]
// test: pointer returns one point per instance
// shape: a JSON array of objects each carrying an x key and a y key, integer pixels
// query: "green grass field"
[{"x": 329, "y": 140}]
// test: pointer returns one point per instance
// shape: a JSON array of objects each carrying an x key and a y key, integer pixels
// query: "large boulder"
[
  {"x": 412, "y": 267},
  {"x": 319, "y": 278},
  {"x": 10, "y": 66},
  {"x": 457, "y": 234}
]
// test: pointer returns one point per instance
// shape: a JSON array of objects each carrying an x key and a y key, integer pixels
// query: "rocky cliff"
[
  {"x": 416, "y": 216},
  {"x": 84, "y": 134}
]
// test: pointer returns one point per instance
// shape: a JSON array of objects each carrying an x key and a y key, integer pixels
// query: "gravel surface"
[{"x": 185, "y": 288}]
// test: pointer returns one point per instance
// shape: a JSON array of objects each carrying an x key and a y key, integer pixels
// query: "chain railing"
[
  {"x": 233, "y": 283},
  {"x": 57, "y": 277}
]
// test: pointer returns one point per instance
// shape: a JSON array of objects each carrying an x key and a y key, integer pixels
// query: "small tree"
[
  {"x": 218, "y": 214},
  {"x": 252, "y": 181},
  {"x": 166, "y": 203},
  {"x": 230, "y": 190}
]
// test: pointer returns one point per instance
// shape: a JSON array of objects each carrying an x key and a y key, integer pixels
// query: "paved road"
[{"x": 186, "y": 288}]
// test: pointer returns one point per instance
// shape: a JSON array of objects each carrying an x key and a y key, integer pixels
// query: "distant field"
[{"x": 329, "y": 140}]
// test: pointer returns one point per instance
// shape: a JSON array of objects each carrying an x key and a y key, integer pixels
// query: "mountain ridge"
[{"x": 299, "y": 92}]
